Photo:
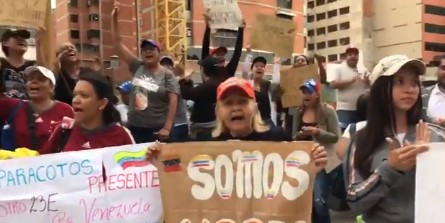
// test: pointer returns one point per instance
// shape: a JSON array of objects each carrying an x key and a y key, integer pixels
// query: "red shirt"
[
  {"x": 46, "y": 122},
  {"x": 80, "y": 139}
]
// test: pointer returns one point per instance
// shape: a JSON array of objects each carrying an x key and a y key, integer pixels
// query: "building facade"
[{"x": 378, "y": 28}]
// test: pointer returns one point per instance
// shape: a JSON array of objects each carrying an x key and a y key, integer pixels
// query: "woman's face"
[
  {"x": 237, "y": 111},
  {"x": 300, "y": 61},
  {"x": 86, "y": 104},
  {"x": 309, "y": 98},
  {"x": 38, "y": 86},
  {"x": 258, "y": 70},
  {"x": 405, "y": 89}
]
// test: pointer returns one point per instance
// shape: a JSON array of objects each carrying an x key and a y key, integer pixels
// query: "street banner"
[
  {"x": 237, "y": 182},
  {"x": 430, "y": 185},
  {"x": 110, "y": 185},
  {"x": 23, "y": 13},
  {"x": 225, "y": 14},
  {"x": 273, "y": 34},
  {"x": 292, "y": 79}
]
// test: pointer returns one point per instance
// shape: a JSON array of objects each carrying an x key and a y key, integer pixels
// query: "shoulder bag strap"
[
  {"x": 352, "y": 130},
  {"x": 64, "y": 136},
  {"x": 32, "y": 126}
]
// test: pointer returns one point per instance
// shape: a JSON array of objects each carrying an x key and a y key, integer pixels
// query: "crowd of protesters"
[{"x": 373, "y": 125}]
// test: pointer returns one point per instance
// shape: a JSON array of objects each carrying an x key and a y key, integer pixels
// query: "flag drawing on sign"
[
  {"x": 293, "y": 162},
  {"x": 172, "y": 164},
  {"x": 200, "y": 161},
  {"x": 127, "y": 159}
]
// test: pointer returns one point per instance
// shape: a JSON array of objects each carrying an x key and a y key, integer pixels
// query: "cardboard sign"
[
  {"x": 237, "y": 182},
  {"x": 23, "y": 13},
  {"x": 292, "y": 79},
  {"x": 225, "y": 14},
  {"x": 274, "y": 35},
  {"x": 70, "y": 187}
]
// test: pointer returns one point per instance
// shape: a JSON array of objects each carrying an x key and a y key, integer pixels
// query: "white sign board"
[
  {"x": 71, "y": 187},
  {"x": 430, "y": 185},
  {"x": 225, "y": 14}
]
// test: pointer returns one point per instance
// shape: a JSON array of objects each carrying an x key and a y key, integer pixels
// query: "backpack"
[
  {"x": 8, "y": 130},
  {"x": 337, "y": 188}
]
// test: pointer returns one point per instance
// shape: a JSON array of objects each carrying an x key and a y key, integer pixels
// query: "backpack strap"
[
  {"x": 347, "y": 158},
  {"x": 32, "y": 126}
]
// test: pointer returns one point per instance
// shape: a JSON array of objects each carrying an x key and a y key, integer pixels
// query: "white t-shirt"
[
  {"x": 436, "y": 104},
  {"x": 123, "y": 111},
  {"x": 347, "y": 97},
  {"x": 358, "y": 126}
]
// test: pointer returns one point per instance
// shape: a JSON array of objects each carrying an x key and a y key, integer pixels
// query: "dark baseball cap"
[
  {"x": 25, "y": 34},
  {"x": 166, "y": 60},
  {"x": 210, "y": 65},
  {"x": 352, "y": 49},
  {"x": 150, "y": 43}
]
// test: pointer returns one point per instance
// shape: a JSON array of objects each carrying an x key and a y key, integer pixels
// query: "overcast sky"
[{"x": 53, "y": 3}]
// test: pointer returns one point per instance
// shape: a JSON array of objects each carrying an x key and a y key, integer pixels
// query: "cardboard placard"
[
  {"x": 225, "y": 14},
  {"x": 23, "y": 13},
  {"x": 274, "y": 35},
  {"x": 292, "y": 79},
  {"x": 237, "y": 182}
]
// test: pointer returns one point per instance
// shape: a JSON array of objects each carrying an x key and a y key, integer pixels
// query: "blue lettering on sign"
[{"x": 25, "y": 176}]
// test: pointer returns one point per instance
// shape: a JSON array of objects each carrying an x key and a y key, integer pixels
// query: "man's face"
[
  {"x": 68, "y": 53},
  {"x": 150, "y": 54},
  {"x": 352, "y": 58},
  {"x": 16, "y": 44},
  {"x": 441, "y": 74}
]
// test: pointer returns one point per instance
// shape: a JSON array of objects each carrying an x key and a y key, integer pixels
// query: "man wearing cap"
[
  {"x": 12, "y": 76},
  {"x": 433, "y": 97},
  {"x": 222, "y": 51},
  {"x": 203, "y": 118},
  {"x": 154, "y": 97},
  {"x": 350, "y": 82}
]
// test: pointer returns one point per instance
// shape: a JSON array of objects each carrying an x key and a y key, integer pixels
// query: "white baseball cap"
[
  {"x": 390, "y": 65},
  {"x": 44, "y": 71}
]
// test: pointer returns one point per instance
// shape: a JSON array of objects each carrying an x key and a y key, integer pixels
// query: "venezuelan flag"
[{"x": 128, "y": 159}]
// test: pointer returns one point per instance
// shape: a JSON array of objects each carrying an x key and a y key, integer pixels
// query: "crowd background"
[{"x": 66, "y": 107}]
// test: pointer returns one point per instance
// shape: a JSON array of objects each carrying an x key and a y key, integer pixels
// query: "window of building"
[
  {"x": 285, "y": 4},
  {"x": 332, "y": 28},
  {"x": 94, "y": 17},
  {"x": 435, "y": 10},
  {"x": 311, "y": 4},
  {"x": 321, "y": 31},
  {"x": 435, "y": 47},
  {"x": 344, "y": 41},
  {"x": 330, "y": 1},
  {"x": 188, "y": 5},
  {"x": 311, "y": 32},
  {"x": 310, "y": 46},
  {"x": 74, "y": 18},
  {"x": 321, "y": 45},
  {"x": 332, "y": 57},
  {"x": 92, "y": 3},
  {"x": 332, "y": 43},
  {"x": 285, "y": 16},
  {"x": 344, "y": 26},
  {"x": 344, "y": 10},
  {"x": 332, "y": 13},
  {"x": 310, "y": 18},
  {"x": 93, "y": 33},
  {"x": 74, "y": 34},
  {"x": 321, "y": 2},
  {"x": 321, "y": 16},
  {"x": 342, "y": 56},
  {"x": 72, "y": 3},
  {"x": 224, "y": 37},
  {"x": 433, "y": 28}
]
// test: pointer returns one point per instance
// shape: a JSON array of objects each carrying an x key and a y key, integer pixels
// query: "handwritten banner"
[
  {"x": 229, "y": 182},
  {"x": 273, "y": 34},
  {"x": 292, "y": 79},
  {"x": 225, "y": 14},
  {"x": 23, "y": 13},
  {"x": 71, "y": 187}
]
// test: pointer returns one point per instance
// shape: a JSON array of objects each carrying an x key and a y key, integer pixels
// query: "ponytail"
[{"x": 111, "y": 114}]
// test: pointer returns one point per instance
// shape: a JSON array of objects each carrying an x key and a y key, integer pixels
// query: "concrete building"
[
  {"x": 87, "y": 24},
  {"x": 378, "y": 28}
]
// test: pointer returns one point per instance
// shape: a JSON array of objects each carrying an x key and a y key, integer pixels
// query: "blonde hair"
[{"x": 258, "y": 124}]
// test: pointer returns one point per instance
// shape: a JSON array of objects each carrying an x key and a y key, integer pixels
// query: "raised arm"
[
  {"x": 233, "y": 64},
  {"x": 206, "y": 39},
  {"x": 123, "y": 52}
]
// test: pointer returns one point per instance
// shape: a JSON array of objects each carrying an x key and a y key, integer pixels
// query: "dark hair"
[
  {"x": 362, "y": 107},
  {"x": 103, "y": 89},
  {"x": 5, "y": 50},
  {"x": 380, "y": 123}
]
